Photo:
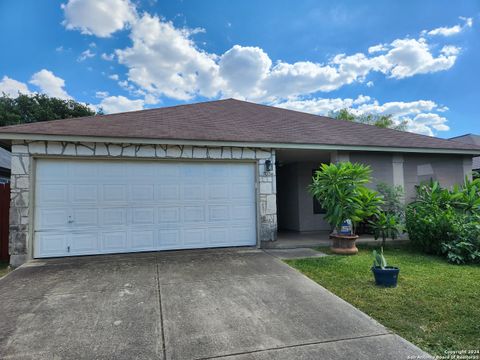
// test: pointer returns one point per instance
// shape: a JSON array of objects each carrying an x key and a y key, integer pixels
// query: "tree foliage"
[
  {"x": 378, "y": 120},
  {"x": 39, "y": 107}
]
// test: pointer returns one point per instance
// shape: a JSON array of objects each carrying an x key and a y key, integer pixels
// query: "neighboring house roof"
[
  {"x": 5, "y": 158},
  {"x": 233, "y": 121},
  {"x": 470, "y": 139}
]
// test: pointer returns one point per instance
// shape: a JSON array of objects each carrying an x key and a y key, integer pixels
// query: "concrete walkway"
[{"x": 214, "y": 304}]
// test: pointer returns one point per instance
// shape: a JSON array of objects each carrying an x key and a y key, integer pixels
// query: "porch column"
[
  {"x": 398, "y": 176},
  {"x": 339, "y": 156},
  {"x": 467, "y": 167}
]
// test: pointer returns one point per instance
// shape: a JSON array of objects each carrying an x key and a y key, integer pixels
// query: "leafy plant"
[
  {"x": 385, "y": 226},
  {"x": 379, "y": 260},
  {"x": 392, "y": 200},
  {"x": 340, "y": 188},
  {"x": 443, "y": 221}
]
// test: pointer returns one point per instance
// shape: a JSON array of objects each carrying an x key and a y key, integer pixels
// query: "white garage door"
[{"x": 99, "y": 207}]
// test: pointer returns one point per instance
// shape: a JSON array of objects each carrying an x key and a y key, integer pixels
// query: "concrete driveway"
[{"x": 214, "y": 304}]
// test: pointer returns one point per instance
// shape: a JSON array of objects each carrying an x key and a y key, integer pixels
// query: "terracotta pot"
[{"x": 344, "y": 244}]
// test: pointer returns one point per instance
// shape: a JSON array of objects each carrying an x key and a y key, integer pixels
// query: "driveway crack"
[
  {"x": 162, "y": 328},
  {"x": 295, "y": 346}
]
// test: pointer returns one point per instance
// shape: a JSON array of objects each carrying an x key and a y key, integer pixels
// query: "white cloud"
[
  {"x": 101, "y": 94},
  {"x": 85, "y": 55},
  {"x": 98, "y": 17},
  {"x": 243, "y": 67},
  {"x": 115, "y": 104},
  {"x": 370, "y": 84},
  {"x": 164, "y": 60},
  {"x": 113, "y": 77},
  {"x": 12, "y": 87},
  {"x": 419, "y": 115},
  {"x": 108, "y": 57},
  {"x": 408, "y": 57},
  {"x": 50, "y": 84},
  {"x": 453, "y": 30},
  {"x": 377, "y": 48}
]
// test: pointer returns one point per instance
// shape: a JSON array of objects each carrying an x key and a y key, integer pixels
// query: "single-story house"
[
  {"x": 474, "y": 140},
  {"x": 213, "y": 174},
  {"x": 5, "y": 161}
]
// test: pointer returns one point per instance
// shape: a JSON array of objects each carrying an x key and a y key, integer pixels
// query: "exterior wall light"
[{"x": 268, "y": 166}]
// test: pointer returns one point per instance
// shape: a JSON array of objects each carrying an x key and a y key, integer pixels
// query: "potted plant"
[
  {"x": 385, "y": 225},
  {"x": 384, "y": 275},
  {"x": 340, "y": 189}
]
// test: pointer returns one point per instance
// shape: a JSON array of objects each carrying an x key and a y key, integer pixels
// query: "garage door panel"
[
  {"x": 142, "y": 240},
  {"x": 83, "y": 243},
  {"x": 85, "y": 217},
  {"x": 138, "y": 206},
  {"x": 144, "y": 192},
  {"x": 114, "y": 193},
  {"x": 114, "y": 241},
  {"x": 193, "y": 214},
  {"x": 49, "y": 218},
  {"x": 169, "y": 239},
  {"x": 51, "y": 244},
  {"x": 84, "y": 193},
  {"x": 194, "y": 237},
  {"x": 113, "y": 216},
  {"x": 53, "y": 194},
  {"x": 143, "y": 216},
  {"x": 169, "y": 215}
]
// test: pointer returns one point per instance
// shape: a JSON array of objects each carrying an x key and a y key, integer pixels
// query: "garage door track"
[{"x": 210, "y": 304}]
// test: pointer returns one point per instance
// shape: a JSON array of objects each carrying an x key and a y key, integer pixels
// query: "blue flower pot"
[{"x": 387, "y": 277}]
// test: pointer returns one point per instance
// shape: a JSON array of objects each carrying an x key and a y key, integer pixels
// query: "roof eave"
[{"x": 8, "y": 137}]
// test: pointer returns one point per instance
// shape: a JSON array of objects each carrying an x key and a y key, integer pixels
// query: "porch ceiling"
[{"x": 287, "y": 156}]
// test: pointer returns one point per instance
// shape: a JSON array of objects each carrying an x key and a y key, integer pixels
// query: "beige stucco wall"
[
  {"x": 406, "y": 170},
  {"x": 22, "y": 179},
  {"x": 447, "y": 169}
]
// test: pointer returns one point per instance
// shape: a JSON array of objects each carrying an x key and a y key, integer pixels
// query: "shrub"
[
  {"x": 442, "y": 221},
  {"x": 392, "y": 200},
  {"x": 341, "y": 190}
]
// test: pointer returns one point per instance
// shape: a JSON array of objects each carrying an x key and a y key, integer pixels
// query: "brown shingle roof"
[{"x": 234, "y": 121}]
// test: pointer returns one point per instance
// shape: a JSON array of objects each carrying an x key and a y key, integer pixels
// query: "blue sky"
[{"x": 415, "y": 60}]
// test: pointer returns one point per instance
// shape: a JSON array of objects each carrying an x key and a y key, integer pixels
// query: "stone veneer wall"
[{"x": 21, "y": 184}]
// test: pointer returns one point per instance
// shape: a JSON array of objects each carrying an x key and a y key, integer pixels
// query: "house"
[
  {"x": 474, "y": 140},
  {"x": 5, "y": 159},
  {"x": 212, "y": 174}
]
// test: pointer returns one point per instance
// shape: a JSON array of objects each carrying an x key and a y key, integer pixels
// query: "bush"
[
  {"x": 392, "y": 200},
  {"x": 447, "y": 222},
  {"x": 341, "y": 190}
]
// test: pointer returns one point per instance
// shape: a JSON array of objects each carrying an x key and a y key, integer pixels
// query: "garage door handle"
[{"x": 70, "y": 220}]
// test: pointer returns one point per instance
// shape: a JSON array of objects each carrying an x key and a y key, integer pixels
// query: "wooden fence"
[{"x": 4, "y": 223}]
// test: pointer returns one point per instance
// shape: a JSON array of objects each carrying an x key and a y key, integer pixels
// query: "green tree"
[
  {"x": 39, "y": 107},
  {"x": 381, "y": 121}
]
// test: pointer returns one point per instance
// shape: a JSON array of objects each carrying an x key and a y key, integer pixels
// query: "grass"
[
  {"x": 3, "y": 268},
  {"x": 435, "y": 306}
]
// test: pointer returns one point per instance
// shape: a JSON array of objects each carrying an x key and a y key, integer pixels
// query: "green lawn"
[
  {"x": 3, "y": 268},
  {"x": 436, "y": 305}
]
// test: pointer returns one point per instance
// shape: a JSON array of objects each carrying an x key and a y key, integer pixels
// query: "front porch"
[
  {"x": 294, "y": 239},
  {"x": 300, "y": 218}
]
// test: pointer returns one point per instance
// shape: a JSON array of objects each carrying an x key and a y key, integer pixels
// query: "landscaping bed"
[{"x": 435, "y": 305}]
